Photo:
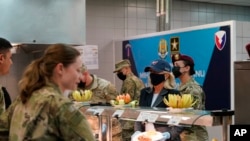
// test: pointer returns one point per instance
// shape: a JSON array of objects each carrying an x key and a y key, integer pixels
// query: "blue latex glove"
[
  {"x": 166, "y": 135},
  {"x": 104, "y": 128},
  {"x": 134, "y": 135}
]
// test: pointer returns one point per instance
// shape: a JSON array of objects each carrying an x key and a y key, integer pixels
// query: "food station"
[
  {"x": 185, "y": 117},
  {"x": 105, "y": 113}
]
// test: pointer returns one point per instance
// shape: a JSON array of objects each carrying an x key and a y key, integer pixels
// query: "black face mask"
[
  {"x": 81, "y": 85},
  {"x": 156, "y": 78},
  {"x": 176, "y": 72},
  {"x": 121, "y": 76}
]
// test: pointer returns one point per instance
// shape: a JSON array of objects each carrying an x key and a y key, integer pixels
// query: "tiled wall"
[
  {"x": 108, "y": 20},
  {"x": 242, "y": 39}
]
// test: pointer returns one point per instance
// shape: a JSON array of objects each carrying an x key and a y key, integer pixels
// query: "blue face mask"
[{"x": 156, "y": 79}]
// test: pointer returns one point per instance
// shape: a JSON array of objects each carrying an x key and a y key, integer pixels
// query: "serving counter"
[{"x": 177, "y": 117}]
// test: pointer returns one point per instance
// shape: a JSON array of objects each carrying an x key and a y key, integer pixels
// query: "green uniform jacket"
[
  {"x": 132, "y": 85},
  {"x": 199, "y": 133},
  {"x": 193, "y": 88},
  {"x": 2, "y": 101},
  {"x": 47, "y": 116},
  {"x": 104, "y": 91}
]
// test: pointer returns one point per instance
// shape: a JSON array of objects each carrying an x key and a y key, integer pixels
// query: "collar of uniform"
[
  {"x": 190, "y": 81},
  {"x": 93, "y": 84},
  {"x": 130, "y": 74},
  {"x": 56, "y": 87}
]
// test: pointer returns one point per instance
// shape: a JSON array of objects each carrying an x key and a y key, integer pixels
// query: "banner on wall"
[
  {"x": 89, "y": 55},
  {"x": 210, "y": 47}
]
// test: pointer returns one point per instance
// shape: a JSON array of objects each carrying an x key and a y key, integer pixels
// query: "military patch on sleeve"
[
  {"x": 76, "y": 118},
  {"x": 73, "y": 115}
]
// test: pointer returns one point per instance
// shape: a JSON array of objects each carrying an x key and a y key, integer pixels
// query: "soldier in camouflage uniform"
[
  {"x": 184, "y": 69},
  {"x": 41, "y": 112},
  {"x": 131, "y": 85},
  {"x": 5, "y": 63},
  {"x": 103, "y": 91}
]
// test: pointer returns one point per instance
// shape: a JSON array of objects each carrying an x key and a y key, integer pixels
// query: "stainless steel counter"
[{"x": 178, "y": 117}]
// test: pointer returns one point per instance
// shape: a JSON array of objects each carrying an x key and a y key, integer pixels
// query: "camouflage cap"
[
  {"x": 84, "y": 68},
  {"x": 121, "y": 64}
]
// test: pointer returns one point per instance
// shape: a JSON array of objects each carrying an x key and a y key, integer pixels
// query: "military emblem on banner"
[
  {"x": 220, "y": 39},
  {"x": 174, "y": 45},
  {"x": 163, "y": 50},
  {"x": 128, "y": 50},
  {"x": 175, "y": 57}
]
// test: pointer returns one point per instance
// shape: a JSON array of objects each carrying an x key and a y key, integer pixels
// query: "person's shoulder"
[
  {"x": 173, "y": 91},
  {"x": 192, "y": 84},
  {"x": 193, "y": 87},
  {"x": 146, "y": 89},
  {"x": 101, "y": 82},
  {"x": 133, "y": 78},
  {"x": 53, "y": 95}
]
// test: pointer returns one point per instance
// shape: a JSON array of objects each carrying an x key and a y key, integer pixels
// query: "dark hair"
[
  {"x": 38, "y": 72},
  {"x": 5, "y": 45},
  {"x": 191, "y": 65}
]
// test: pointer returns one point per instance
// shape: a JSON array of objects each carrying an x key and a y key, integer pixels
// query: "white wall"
[
  {"x": 116, "y": 19},
  {"x": 242, "y": 39}
]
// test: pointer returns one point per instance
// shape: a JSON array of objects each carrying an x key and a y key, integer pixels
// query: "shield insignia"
[
  {"x": 220, "y": 39},
  {"x": 162, "y": 50}
]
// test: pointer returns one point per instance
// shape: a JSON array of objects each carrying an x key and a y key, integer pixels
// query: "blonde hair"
[{"x": 170, "y": 82}]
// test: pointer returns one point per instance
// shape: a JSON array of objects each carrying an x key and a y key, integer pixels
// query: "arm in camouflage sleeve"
[
  {"x": 2, "y": 104},
  {"x": 5, "y": 117},
  {"x": 198, "y": 95},
  {"x": 110, "y": 92},
  {"x": 129, "y": 86},
  {"x": 73, "y": 124}
]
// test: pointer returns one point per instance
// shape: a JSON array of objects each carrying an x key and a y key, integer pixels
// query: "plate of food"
[{"x": 148, "y": 136}]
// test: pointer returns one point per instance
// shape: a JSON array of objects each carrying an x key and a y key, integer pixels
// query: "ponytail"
[{"x": 33, "y": 78}]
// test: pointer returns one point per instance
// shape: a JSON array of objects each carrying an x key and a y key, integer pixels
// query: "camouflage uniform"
[
  {"x": 132, "y": 85},
  {"x": 2, "y": 101},
  {"x": 47, "y": 116},
  {"x": 104, "y": 91},
  {"x": 198, "y": 133}
]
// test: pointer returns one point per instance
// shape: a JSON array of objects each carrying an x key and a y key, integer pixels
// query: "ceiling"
[{"x": 231, "y": 2}]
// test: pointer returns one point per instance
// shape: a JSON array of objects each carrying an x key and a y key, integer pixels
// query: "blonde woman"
[{"x": 163, "y": 83}]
